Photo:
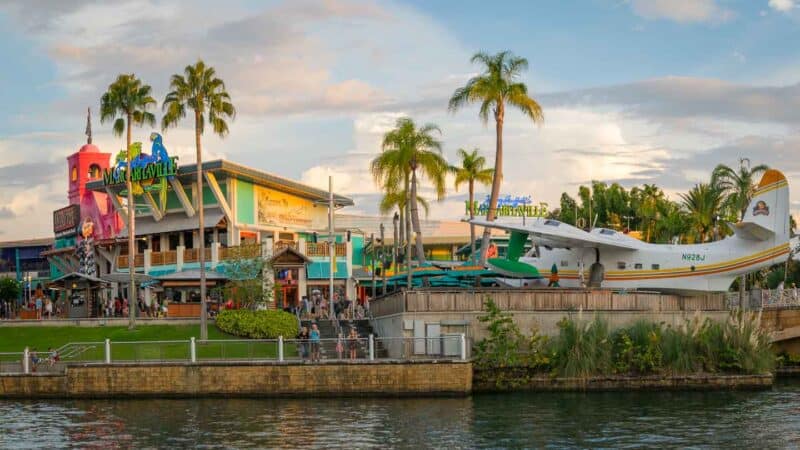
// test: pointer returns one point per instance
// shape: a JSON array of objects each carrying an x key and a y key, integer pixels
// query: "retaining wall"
[{"x": 245, "y": 380}]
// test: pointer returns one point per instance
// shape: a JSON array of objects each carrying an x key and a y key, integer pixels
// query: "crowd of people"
[
  {"x": 316, "y": 307},
  {"x": 309, "y": 343},
  {"x": 118, "y": 307}
]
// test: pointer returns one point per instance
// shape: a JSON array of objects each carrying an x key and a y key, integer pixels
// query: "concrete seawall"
[{"x": 453, "y": 378}]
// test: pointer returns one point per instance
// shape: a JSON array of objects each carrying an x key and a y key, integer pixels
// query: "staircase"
[{"x": 328, "y": 334}]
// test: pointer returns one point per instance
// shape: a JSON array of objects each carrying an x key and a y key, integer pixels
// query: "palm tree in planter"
[
  {"x": 496, "y": 87},
  {"x": 472, "y": 169},
  {"x": 203, "y": 93},
  {"x": 126, "y": 102}
]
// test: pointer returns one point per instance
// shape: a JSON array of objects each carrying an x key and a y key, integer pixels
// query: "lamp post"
[{"x": 383, "y": 265}]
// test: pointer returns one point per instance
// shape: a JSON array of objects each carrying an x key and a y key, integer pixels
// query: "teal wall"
[
  {"x": 358, "y": 250},
  {"x": 208, "y": 196},
  {"x": 245, "y": 204}
]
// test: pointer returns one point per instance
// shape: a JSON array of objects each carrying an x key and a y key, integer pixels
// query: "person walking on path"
[
  {"x": 352, "y": 343},
  {"x": 303, "y": 337},
  {"x": 340, "y": 345},
  {"x": 315, "y": 341}
]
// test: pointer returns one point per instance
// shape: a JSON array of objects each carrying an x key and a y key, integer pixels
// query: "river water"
[{"x": 763, "y": 419}]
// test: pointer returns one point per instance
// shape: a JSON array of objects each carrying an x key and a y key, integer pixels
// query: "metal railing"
[
  {"x": 451, "y": 347},
  {"x": 765, "y": 298}
]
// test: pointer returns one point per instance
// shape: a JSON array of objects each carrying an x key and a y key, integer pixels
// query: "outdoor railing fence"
[{"x": 371, "y": 348}]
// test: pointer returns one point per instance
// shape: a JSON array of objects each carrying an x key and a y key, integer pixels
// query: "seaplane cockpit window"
[
  {"x": 564, "y": 263},
  {"x": 607, "y": 232},
  {"x": 621, "y": 265},
  {"x": 552, "y": 223}
]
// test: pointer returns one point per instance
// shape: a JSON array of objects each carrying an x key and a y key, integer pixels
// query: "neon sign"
[
  {"x": 144, "y": 167},
  {"x": 509, "y": 206}
]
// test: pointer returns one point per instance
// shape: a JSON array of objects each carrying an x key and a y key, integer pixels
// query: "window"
[
  {"x": 174, "y": 241},
  {"x": 607, "y": 232},
  {"x": 94, "y": 172},
  {"x": 637, "y": 266},
  {"x": 564, "y": 263},
  {"x": 74, "y": 176},
  {"x": 552, "y": 223},
  {"x": 286, "y": 236},
  {"x": 621, "y": 265},
  {"x": 655, "y": 266}
]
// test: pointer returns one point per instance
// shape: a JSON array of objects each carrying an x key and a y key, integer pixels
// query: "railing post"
[
  {"x": 463, "y": 347},
  {"x": 26, "y": 361},
  {"x": 108, "y": 351},
  {"x": 192, "y": 350},
  {"x": 280, "y": 348},
  {"x": 371, "y": 347}
]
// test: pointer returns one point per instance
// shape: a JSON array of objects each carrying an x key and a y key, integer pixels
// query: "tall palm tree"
[
  {"x": 199, "y": 90},
  {"x": 650, "y": 197},
  {"x": 495, "y": 87},
  {"x": 126, "y": 103},
  {"x": 738, "y": 186},
  {"x": 703, "y": 204},
  {"x": 409, "y": 152},
  {"x": 472, "y": 169}
]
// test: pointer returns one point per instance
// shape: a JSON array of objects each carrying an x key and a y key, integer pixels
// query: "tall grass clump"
[
  {"x": 748, "y": 343},
  {"x": 638, "y": 348},
  {"x": 582, "y": 348}
]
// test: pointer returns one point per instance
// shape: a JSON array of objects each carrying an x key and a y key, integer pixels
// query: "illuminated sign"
[
  {"x": 66, "y": 221},
  {"x": 509, "y": 206},
  {"x": 144, "y": 167}
]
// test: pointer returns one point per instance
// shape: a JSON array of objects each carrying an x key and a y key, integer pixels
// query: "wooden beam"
[
  {"x": 221, "y": 200},
  {"x": 123, "y": 212},
  {"x": 151, "y": 203},
  {"x": 188, "y": 208}
]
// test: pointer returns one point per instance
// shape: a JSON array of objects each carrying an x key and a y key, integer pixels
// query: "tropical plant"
[
  {"x": 582, "y": 348},
  {"x": 496, "y": 87},
  {"x": 246, "y": 286},
  {"x": 10, "y": 289},
  {"x": 201, "y": 91},
  {"x": 126, "y": 103},
  {"x": 737, "y": 186},
  {"x": 407, "y": 153},
  {"x": 472, "y": 169},
  {"x": 703, "y": 204}
]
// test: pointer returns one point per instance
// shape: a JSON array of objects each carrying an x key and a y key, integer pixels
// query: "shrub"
[
  {"x": 748, "y": 343},
  {"x": 582, "y": 348},
  {"x": 637, "y": 349},
  {"x": 257, "y": 324},
  {"x": 506, "y": 346}
]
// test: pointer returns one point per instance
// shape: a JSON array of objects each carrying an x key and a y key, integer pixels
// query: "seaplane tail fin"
[{"x": 767, "y": 216}]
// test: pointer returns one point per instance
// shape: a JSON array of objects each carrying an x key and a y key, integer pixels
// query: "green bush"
[
  {"x": 637, "y": 349},
  {"x": 506, "y": 346},
  {"x": 257, "y": 324},
  {"x": 582, "y": 348}
]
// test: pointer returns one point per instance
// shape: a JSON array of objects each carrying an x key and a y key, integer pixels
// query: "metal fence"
[
  {"x": 277, "y": 350},
  {"x": 765, "y": 298}
]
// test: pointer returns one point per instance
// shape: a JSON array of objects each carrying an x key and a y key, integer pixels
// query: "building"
[
  {"x": 23, "y": 261},
  {"x": 247, "y": 212}
]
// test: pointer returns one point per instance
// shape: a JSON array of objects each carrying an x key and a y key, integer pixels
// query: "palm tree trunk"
[
  {"x": 471, "y": 225},
  {"x": 402, "y": 208},
  {"x": 201, "y": 228},
  {"x": 415, "y": 219},
  {"x": 133, "y": 303},
  {"x": 408, "y": 240},
  {"x": 496, "y": 180}
]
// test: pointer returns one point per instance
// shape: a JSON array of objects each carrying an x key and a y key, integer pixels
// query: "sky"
[{"x": 633, "y": 91}]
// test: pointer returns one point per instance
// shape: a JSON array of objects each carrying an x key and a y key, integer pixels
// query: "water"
[{"x": 765, "y": 419}]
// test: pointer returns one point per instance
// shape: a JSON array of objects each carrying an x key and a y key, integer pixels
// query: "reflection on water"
[{"x": 767, "y": 419}]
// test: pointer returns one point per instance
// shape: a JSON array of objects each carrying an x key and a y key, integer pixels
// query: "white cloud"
[
  {"x": 684, "y": 11},
  {"x": 781, "y": 5}
]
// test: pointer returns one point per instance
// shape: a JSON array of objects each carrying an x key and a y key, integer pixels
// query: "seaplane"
[{"x": 618, "y": 261}]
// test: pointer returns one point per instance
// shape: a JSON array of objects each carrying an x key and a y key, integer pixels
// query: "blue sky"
[{"x": 633, "y": 90}]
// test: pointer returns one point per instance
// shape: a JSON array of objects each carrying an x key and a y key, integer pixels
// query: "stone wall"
[{"x": 246, "y": 379}]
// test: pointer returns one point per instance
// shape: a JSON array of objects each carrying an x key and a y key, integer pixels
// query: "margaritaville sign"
[
  {"x": 509, "y": 206},
  {"x": 144, "y": 167}
]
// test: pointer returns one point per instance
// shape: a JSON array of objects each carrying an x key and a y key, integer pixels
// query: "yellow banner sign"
[{"x": 281, "y": 209}]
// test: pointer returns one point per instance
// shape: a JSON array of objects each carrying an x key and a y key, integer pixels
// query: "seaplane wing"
[{"x": 555, "y": 234}]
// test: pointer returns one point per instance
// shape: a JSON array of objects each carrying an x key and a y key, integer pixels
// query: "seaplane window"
[
  {"x": 552, "y": 223},
  {"x": 564, "y": 263},
  {"x": 608, "y": 232},
  {"x": 655, "y": 266},
  {"x": 621, "y": 265},
  {"x": 637, "y": 266}
]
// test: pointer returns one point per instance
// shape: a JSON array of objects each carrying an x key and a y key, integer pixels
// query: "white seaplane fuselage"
[{"x": 760, "y": 240}]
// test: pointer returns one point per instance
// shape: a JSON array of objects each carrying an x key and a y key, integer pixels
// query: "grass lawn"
[{"x": 15, "y": 339}]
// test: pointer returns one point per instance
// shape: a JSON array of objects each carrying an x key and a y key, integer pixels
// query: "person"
[
  {"x": 352, "y": 342},
  {"x": 305, "y": 307},
  {"x": 303, "y": 337},
  {"x": 34, "y": 359},
  {"x": 53, "y": 356},
  {"x": 39, "y": 308},
  {"x": 48, "y": 308},
  {"x": 340, "y": 345},
  {"x": 314, "y": 337}
]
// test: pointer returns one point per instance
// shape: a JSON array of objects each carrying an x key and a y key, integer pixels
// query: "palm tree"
[
  {"x": 703, "y": 204},
  {"x": 200, "y": 90},
  {"x": 495, "y": 87},
  {"x": 650, "y": 196},
  {"x": 473, "y": 169},
  {"x": 126, "y": 103},
  {"x": 738, "y": 188},
  {"x": 407, "y": 151}
]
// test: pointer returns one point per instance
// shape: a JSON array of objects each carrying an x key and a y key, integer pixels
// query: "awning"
[
  {"x": 321, "y": 270},
  {"x": 191, "y": 274},
  {"x": 174, "y": 222},
  {"x": 124, "y": 277}
]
